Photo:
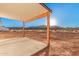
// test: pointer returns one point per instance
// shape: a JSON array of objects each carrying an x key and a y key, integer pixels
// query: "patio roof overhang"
[
  {"x": 23, "y": 11},
  {"x": 26, "y": 13}
]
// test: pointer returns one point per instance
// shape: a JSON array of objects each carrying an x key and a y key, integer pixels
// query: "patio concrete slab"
[{"x": 20, "y": 46}]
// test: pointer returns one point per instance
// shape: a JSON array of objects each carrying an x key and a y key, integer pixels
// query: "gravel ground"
[{"x": 62, "y": 43}]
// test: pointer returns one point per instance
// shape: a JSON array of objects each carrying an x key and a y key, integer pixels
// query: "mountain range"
[{"x": 44, "y": 27}]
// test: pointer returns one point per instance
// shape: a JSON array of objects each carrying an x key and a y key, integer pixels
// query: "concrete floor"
[{"x": 20, "y": 46}]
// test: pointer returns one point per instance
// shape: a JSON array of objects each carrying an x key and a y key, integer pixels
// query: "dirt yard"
[{"x": 62, "y": 43}]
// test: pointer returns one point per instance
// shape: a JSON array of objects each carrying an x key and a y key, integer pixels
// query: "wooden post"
[
  {"x": 48, "y": 29},
  {"x": 48, "y": 34},
  {"x": 23, "y": 29}
]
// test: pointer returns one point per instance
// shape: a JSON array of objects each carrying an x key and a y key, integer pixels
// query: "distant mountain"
[
  {"x": 56, "y": 27},
  {"x": 14, "y": 27},
  {"x": 53, "y": 27},
  {"x": 2, "y": 28},
  {"x": 44, "y": 27},
  {"x": 37, "y": 27}
]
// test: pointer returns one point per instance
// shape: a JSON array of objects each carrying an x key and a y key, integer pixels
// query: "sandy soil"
[{"x": 62, "y": 43}]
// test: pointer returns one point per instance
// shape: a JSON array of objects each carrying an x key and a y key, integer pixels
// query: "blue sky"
[{"x": 67, "y": 15}]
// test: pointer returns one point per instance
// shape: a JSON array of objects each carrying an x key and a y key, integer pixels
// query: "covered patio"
[{"x": 23, "y": 45}]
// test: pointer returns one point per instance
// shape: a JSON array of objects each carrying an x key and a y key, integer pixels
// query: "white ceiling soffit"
[{"x": 22, "y": 11}]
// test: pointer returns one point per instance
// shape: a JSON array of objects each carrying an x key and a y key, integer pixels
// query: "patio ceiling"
[{"x": 23, "y": 11}]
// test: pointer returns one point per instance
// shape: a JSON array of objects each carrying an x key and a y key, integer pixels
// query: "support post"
[
  {"x": 23, "y": 29},
  {"x": 48, "y": 29},
  {"x": 48, "y": 34}
]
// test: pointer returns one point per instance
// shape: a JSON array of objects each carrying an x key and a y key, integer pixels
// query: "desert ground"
[{"x": 62, "y": 43}]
